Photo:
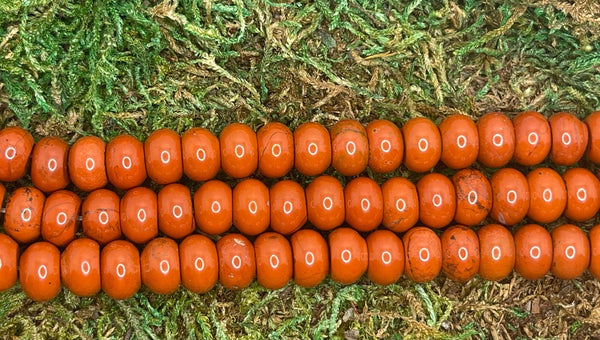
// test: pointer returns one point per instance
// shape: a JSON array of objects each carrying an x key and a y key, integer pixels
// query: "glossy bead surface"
[
  {"x": 473, "y": 196},
  {"x": 349, "y": 255},
  {"x": 437, "y": 200},
  {"x": 325, "y": 203},
  {"x": 349, "y": 147},
  {"x": 201, "y": 154},
  {"x": 59, "y": 219},
  {"x": 311, "y": 257},
  {"x": 239, "y": 150},
  {"x": 583, "y": 194},
  {"x": 251, "y": 207},
  {"x": 101, "y": 220},
  {"x": 199, "y": 263},
  {"x": 87, "y": 165},
  {"x": 569, "y": 138},
  {"x": 571, "y": 252},
  {"x": 9, "y": 253},
  {"x": 23, "y": 217},
  {"x": 125, "y": 162},
  {"x": 162, "y": 151},
  {"x": 288, "y": 207},
  {"x": 273, "y": 260},
  {"x": 422, "y": 144},
  {"x": 364, "y": 204},
  {"x": 460, "y": 251},
  {"x": 422, "y": 254},
  {"x": 49, "y": 167},
  {"x": 497, "y": 252},
  {"x": 275, "y": 150},
  {"x": 496, "y": 140},
  {"x": 386, "y": 257},
  {"x": 139, "y": 215},
  {"x": 120, "y": 270},
  {"x": 533, "y": 251},
  {"x": 312, "y": 149},
  {"x": 386, "y": 146},
  {"x": 237, "y": 266},
  {"x": 80, "y": 267},
  {"x": 39, "y": 271},
  {"x": 213, "y": 207},
  {"x": 175, "y": 212},
  {"x": 593, "y": 149},
  {"x": 460, "y": 141},
  {"x": 510, "y": 196},
  {"x": 16, "y": 145},
  {"x": 400, "y": 204},
  {"x": 548, "y": 195},
  {"x": 532, "y": 138},
  {"x": 594, "y": 236},
  {"x": 159, "y": 263}
]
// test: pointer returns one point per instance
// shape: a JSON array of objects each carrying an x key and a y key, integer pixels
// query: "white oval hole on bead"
[
  {"x": 535, "y": 252},
  {"x": 236, "y": 262},
  {"x": 126, "y": 162},
  {"x": 398, "y": 201},
  {"x": 547, "y": 195},
  {"x": 511, "y": 197},
  {"x": 346, "y": 256},
  {"x": 252, "y": 207},
  {"x": 85, "y": 268},
  {"x": 425, "y": 257},
  {"x": 566, "y": 138},
  {"x": 90, "y": 164},
  {"x": 200, "y": 154},
  {"x": 423, "y": 144},
  {"x": 496, "y": 253},
  {"x": 386, "y": 257},
  {"x": 103, "y": 217},
  {"x": 165, "y": 157},
  {"x": 463, "y": 253},
  {"x": 52, "y": 164},
  {"x": 386, "y": 146},
  {"x": 350, "y": 148},
  {"x": 365, "y": 204},
  {"x": 327, "y": 203},
  {"x": 461, "y": 141},
  {"x": 276, "y": 150},
  {"x": 42, "y": 272},
  {"x": 309, "y": 258},
  {"x": 497, "y": 140},
  {"x": 239, "y": 151},
  {"x": 215, "y": 207},
  {"x": 177, "y": 211},
  {"x": 287, "y": 207},
  {"x": 201, "y": 266},
  {"x": 437, "y": 200},
  {"x": 472, "y": 197},
  {"x": 164, "y": 266},
  {"x": 10, "y": 153},
  {"x": 581, "y": 194},
  {"x": 61, "y": 218},
  {"x": 121, "y": 271},
  {"x": 570, "y": 252},
  {"x": 141, "y": 215},
  {"x": 532, "y": 138},
  {"x": 274, "y": 261},
  {"x": 26, "y": 215},
  {"x": 313, "y": 149}
]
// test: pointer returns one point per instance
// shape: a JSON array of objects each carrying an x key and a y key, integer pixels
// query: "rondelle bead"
[
  {"x": 571, "y": 252},
  {"x": 162, "y": 151},
  {"x": 594, "y": 236},
  {"x": 312, "y": 149},
  {"x": 125, "y": 164},
  {"x": 311, "y": 257},
  {"x": 400, "y": 204},
  {"x": 497, "y": 252},
  {"x": 496, "y": 140},
  {"x": 60, "y": 217},
  {"x": 569, "y": 138},
  {"x": 175, "y": 212},
  {"x": 275, "y": 150},
  {"x": 386, "y": 146},
  {"x": 80, "y": 267},
  {"x": 237, "y": 266},
  {"x": 199, "y": 263},
  {"x": 348, "y": 254},
  {"x": 349, "y": 147},
  {"x": 460, "y": 141},
  {"x": 593, "y": 149},
  {"x": 422, "y": 254},
  {"x": 510, "y": 196},
  {"x": 239, "y": 150},
  {"x": 364, "y": 204},
  {"x": 49, "y": 164},
  {"x": 422, "y": 144},
  {"x": 437, "y": 200},
  {"x": 9, "y": 253},
  {"x": 159, "y": 263},
  {"x": 325, "y": 202},
  {"x": 101, "y": 220},
  {"x": 39, "y": 271},
  {"x": 201, "y": 154},
  {"x": 583, "y": 194},
  {"x": 15, "y": 147},
  {"x": 139, "y": 215},
  {"x": 532, "y": 138},
  {"x": 473, "y": 196},
  {"x": 87, "y": 166},
  {"x": 386, "y": 257},
  {"x": 23, "y": 217},
  {"x": 213, "y": 207},
  {"x": 288, "y": 207},
  {"x": 273, "y": 260},
  {"x": 548, "y": 195},
  {"x": 251, "y": 207},
  {"x": 533, "y": 248},
  {"x": 120, "y": 270},
  {"x": 460, "y": 251}
]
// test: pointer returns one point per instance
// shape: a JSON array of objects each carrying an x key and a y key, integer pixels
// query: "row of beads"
[
  {"x": 349, "y": 147},
  {"x": 307, "y": 258},
  {"x": 436, "y": 200}
]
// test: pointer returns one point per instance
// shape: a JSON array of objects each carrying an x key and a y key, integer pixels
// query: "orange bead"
[
  {"x": 460, "y": 251},
  {"x": 460, "y": 141},
  {"x": 569, "y": 138},
  {"x": 87, "y": 166},
  {"x": 199, "y": 263},
  {"x": 400, "y": 204},
  {"x": 571, "y": 252},
  {"x": 349, "y": 147},
  {"x": 213, "y": 207},
  {"x": 80, "y": 267},
  {"x": 162, "y": 151},
  {"x": 120, "y": 270},
  {"x": 101, "y": 220},
  {"x": 364, "y": 204},
  {"x": 23, "y": 217},
  {"x": 39, "y": 271},
  {"x": 239, "y": 150},
  {"x": 510, "y": 196},
  {"x": 532, "y": 138},
  {"x": 159, "y": 263},
  {"x": 288, "y": 207},
  {"x": 533, "y": 247},
  {"x": 325, "y": 203},
  {"x": 237, "y": 266},
  {"x": 473, "y": 196},
  {"x": 497, "y": 252},
  {"x": 386, "y": 146},
  {"x": 251, "y": 207},
  {"x": 139, "y": 215},
  {"x": 9, "y": 253},
  {"x": 49, "y": 164},
  {"x": 594, "y": 236},
  {"x": 311, "y": 257},
  {"x": 312, "y": 149},
  {"x": 273, "y": 260},
  {"x": 349, "y": 255},
  {"x": 175, "y": 212},
  {"x": 583, "y": 194},
  {"x": 59, "y": 219},
  {"x": 386, "y": 257},
  {"x": 496, "y": 140},
  {"x": 593, "y": 149},
  {"x": 275, "y": 150},
  {"x": 422, "y": 144},
  {"x": 125, "y": 164},
  {"x": 548, "y": 195},
  {"x": 201, "y": 154},
  {"x": 422, "y": 254},
  {"x": 437, "y": 200},
  {"x": 15, "y": 147}
]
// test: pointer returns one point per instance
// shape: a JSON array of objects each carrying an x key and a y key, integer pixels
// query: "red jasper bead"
[
  {"x": 473, "y": 196},
  {"x": 311, "y": 257},
  {"x": 594, "y": 236},
  {"x": 400, "y": 204},
  {"x": 569, "y": 138},
  {"x": 460, "y": 141},
  {"x": 59, "y": 219},
  {"x": 213, "y": 207},
  {"x": 175, "y": 212},
  {"x": 386, "y": 257},
  {"x": 120, "y": 270},
  {"x": 162, "y": 151},
  {"x": 251, "y": 207},
  {"x": 510, "y": 196},
  {"x": 422, "y": 254},
  {"x": 437, "y": 200},
  {"x": 273, "y": 260},
  {"x": 9, "y": 253},
  {"x": 125, "y": 164},
  {"x": 237, "y": 266},
  {"x": 101, "y": 220},
  {"x": 571, "y": 252},
  {"x": 532, "y": 138},
  {"x": 49, "y": 164},
  {"x": 533, "y": 246},
  {"x": 201, "y": 154},
  {"x": 275, "y": 150},
  {"x": 15, "y": 147},
  {"x": 497, "y": 252},
  {"x": 548, "y": 195},
  {"x": 39, "y": 271},
  {"x": 593, "y": 149},
  {"x": 583, "y": 194},
  {"x": 139, "y": 215},
  {"x": 422, "y": 144},
  {"x": 80, "y": 267},
  {"x": 199, "y": 263},
  {"x": 160, "y": 266},
  {"x": 364, "y": 204},
  {"x": 239, "y": 150},
  {"x": 288, "y": 207},
  {"x": 349, "y": 255},
  {"x": 386, "y": 146},
  {"x": 325, "y": 203},
  {"x": 23, "y": 216},
  {"x": 87, "y": 166},
  {"x": 312, "y": 149},
  {"x": 349, "y": 147},
  {"x": 460, "y": 251},
  {"x": 496, "y": 140}
]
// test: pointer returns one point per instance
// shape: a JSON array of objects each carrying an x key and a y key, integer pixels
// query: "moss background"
[{"x": 73, "y": 68}]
